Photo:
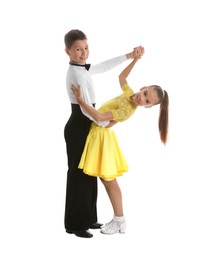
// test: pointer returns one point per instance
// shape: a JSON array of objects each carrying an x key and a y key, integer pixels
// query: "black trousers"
[{"x": 81, "y": 190}]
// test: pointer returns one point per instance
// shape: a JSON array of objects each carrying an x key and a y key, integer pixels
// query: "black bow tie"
[{"x": 87, "y": 66}]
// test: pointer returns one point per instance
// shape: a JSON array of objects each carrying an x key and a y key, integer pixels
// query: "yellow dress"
[{"x": 102, "y": 156}]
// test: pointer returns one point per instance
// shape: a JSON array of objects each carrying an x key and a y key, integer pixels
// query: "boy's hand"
[{"x": 77, "y": 92}]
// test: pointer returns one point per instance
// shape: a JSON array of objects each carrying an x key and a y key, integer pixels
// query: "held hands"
[{"x": 136, "y": 53}]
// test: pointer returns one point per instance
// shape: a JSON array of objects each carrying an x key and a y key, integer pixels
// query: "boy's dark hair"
[{"x": 72, "y": 36}]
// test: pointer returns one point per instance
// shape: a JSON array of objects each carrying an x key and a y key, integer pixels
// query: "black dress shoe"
[
  {"x": 81, "y": 233},
  {"x": 95, "y": 225}
]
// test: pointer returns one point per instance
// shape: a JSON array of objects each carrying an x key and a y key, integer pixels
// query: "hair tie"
[{"x": 163, "y": 94}]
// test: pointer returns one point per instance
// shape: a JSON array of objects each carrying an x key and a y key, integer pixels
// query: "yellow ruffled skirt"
[{"x": 102, "y": 156}]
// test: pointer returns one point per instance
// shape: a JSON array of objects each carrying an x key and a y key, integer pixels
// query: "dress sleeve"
[
  {"x": 121, "y": 114},
  {"x": 124, "y": 111}
]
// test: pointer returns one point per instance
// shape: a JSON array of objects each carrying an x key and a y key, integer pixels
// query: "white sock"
[{"x": 119, "y": 219}]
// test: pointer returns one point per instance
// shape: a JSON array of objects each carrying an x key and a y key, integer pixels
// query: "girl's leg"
[
  {"x": 118, "y": 223},
  {"x": 115, "y": 196}
]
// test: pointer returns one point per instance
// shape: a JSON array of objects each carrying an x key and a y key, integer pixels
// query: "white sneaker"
[{"x": 113, "y": 227}]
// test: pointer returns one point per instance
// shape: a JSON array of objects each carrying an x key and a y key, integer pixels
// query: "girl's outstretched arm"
[{"x": 139, "y": 51}]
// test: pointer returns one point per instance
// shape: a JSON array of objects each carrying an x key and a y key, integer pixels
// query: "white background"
[{"x": 164, "y": 191}]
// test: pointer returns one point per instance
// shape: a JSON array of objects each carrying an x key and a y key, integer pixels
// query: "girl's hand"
[
  {"x": 111, "y": 123},
  {"x": 77, "y": 92}
]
